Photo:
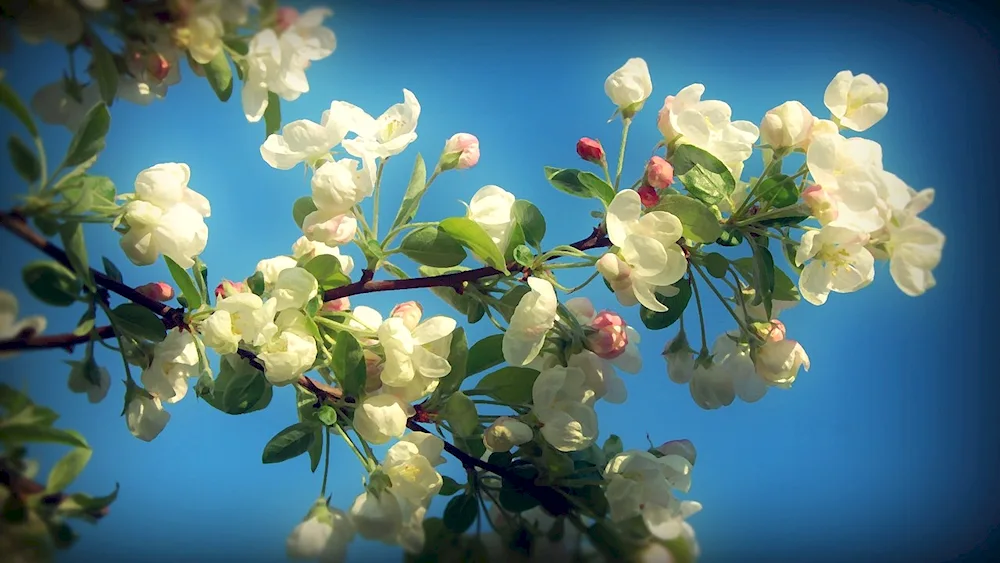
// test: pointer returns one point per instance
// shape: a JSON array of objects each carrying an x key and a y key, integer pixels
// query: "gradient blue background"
[{"x": 886, "y": 451}]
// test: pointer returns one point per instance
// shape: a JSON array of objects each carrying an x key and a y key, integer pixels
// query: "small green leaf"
[
  {"x": 184, "y": 283},
  {"x": 461, "y": 414},
  {"x": 138, "y": 322},
  {"x": 457, "y": 357},
  {"x": 612, "y": 446},
  {"x": 326, "y": 268},
  {"x": 510, "y": 384},
  {"x": 51, "y": 282},
  {"x": 716, "y": 264},
  {"x": 763, "y": 276},
  {"x": 460, "y": 513},
  {"x": 704, "y": 176},
  {"x": 598, "y": 187},
  {"x": 778, "y": 191},
  {"x": 76, "y": 251},
  {"x": 731, "y": 236},
  {"x": 327, "y": 415},
  {"x": 24, "y": 160},
  {"x": 349, "y": 364},
  {"x": 272, "y": 114},
  {"x": 700, "y": 224},
  {"x": 10, "y": 100},
  {"x": 291, "y": 442},
  {"x": 316, "y": 448},
  {"x": 790, "y": 250},
  {"x": 16, "y": 434},
  {"x": 784, "y": 288},
  {"x": 88, "y": 141},
  {"x": 432, "y": 246},
  {"x": 84, "y": 193},
  {"x": 237, "y": 44},
  {"x": 103, "y": 69},
  {"x": 256, "y": 283},
  {"x": 449, "y": 486},
  {"x": 240, "y": 389},
  {"x": 66, "y": 470},
  {"x": 472, "y": 236},
  {"x": 567, "y": 180},
  {"x": 787, "y": 221},
  {"x": 675, "y": 307},
  {"x": 220, "y": 75},
  {"x": 414, "y": 193},
  {"x": 485, "y": 354},
  {"x": 523, "y": 255}
]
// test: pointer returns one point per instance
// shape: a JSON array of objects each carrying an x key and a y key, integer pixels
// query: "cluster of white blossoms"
[
  {"x": 164, "y": 216},
  {"x": 393, "y": 514}
]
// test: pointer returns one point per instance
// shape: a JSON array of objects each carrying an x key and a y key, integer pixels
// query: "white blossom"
[
  {"x": 505, "y": 433},
  {"x": 857, "y": 102},
  {"x": 534, "y": 316},
  {"x": 291, "y": 352},
  {"x": 145, "y": 417},
  {"x": 492, "y": 209},
  {"x": 381, "y": 417},
  {"x": 629, "y": 86},
  {"x": 175, "y": 360},
  {"x": 561, "y": 400},
  {"x": 837, "y": 261}
]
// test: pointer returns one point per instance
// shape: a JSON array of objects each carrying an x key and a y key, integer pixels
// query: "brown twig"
[{"x": 65, "y": 341}]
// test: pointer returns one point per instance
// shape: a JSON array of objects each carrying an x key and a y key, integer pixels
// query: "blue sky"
[{"x": 885, "y": 450}]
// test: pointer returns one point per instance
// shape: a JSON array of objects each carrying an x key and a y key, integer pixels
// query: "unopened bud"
[
  {"x": 821, "y": 204},
  {"x": 614, "y": 269},
  {"x": 337, "y": 305},
  {"x": 683, "y": 448},
  {"x": 410, "y": 312},
  {"x": 773, "y": 331},
  {"x": 157, "y": 291},
  {"x": 648, "y": 196},
  {"x": 373, "y": 371},
  {"x": 609, "y": 338},
  {"x": 286, "y": 17},
  {"x": 505, "y": 433},
  {"x": 157, "y": 66},
  {"x": 590, "y": 150},
  {"x": 659, "y": 172},
  {"x": 461, "y": 151},
  {"x": 228, "y": 288}
]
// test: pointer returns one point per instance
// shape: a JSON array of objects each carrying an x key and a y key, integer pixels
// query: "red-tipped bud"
[
  {"x": 590, "y": 150},
  {"x": 157, "y": 291},
  {"x": 659, "y": 172},
  {"x": 227, "y": 288},
  {"x": 609, "y": 338},
  {"x": 648, "y": 196}
]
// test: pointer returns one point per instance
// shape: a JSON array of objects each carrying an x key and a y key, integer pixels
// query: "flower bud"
[
  {"x": 590, "y": 150},
  {"x": 609, "y": 339},
  {"x": 337, "y": 305},
  {"x": 787, "y": 126},
  {"x": 821, "y": 204},
  {"x": 778, "y": 362},
  {"x": 773, "y": 331},
  {"x": 157, "y": 291},
  {"x": 157, "y": 66},
  {"x": 410, "y": 312},
  {"x": 461, "y": 151},
  {"x": 648, "y": 196},
  {"x": 505, "y": 433},
  {"x": 373, "y": 371},
  {"x": 228, "y": 288},
  {"x": 286, "y": 17},
  {"x": 659, "y": 172},
  {"x": 614, "y": 269}
]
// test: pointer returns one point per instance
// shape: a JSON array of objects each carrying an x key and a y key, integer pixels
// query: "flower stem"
[
  {"x": 715, "y": 290},
  {"x": 326, "y": 464},
  {"x": 354, "y": 447},
  {"x": 701, "y": 314},
  {"x": 378, "y": 192},
  {"x": 626, "y": 123}
]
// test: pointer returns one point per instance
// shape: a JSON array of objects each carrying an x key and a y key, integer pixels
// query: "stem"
[
  {"x": 701, "y": 314},
  {"x": 378, "y": 192},
  {"x": 604, "y": 167},
  {"x": 326, "y": 464},
  {"x": 739, "y": 322},
  {"x": 626, "y": 123},
  {"x": 354, "y": 448},
  {"x": 750, "y": 196}
]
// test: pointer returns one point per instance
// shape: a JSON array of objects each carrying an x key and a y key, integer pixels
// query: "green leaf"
[
  {"x": 461, "y": 414},
  {"x": 675, "y": 307},
  {"x": 51, "y": 282},
  {"x": 88, "y": 141},
  {"x": 790, "y": 249},
  {"x": 513, "y": 499},
  {"x": 784, "y": 288},
  {"x": 103, "y": 69},
  {"x": 76, "y": 251},
  {"x": 256, "y": 283},
  {"x": 326, "y": 268},
  {"x": 291, "y": 442},
  {"x": 717, "y": 265},
  {"x": 349, "y": 364},
  {"x": 432, "y": 246},
  {"x": 472, "y": 236},
  {"x": 700, "y": 224},
  {"x": 461, "y": 513},
  {"x": 464, "y": 303},
  {"x": 326, "y": 415},
  {"x": 85, "y": 192},
  {"x": 457, "y": 357},
  {"x": 508, "y": 303},
  {"x": 16, "y": 434},
  {"x": 220, "y": 75},
  {"x": 531, "y": 221},
  {"x": 240, "y": 388},
  {"x": 510, "y": 384},
  {"x": 184, "y": 283},
  {"x": 316, "y": 448},
  {"x": 778, "y": 191},
  {"x": 91, "y": 504},
  {"x": 523, "y": 256},
  {"x": 763, "y": 276},
  {"x": 10, "y": 100},
  {"x": 414, "y": 193},
  {"x": 24, "y": 160},
  {"x": 237, "y": 44},
  {"x": 515, "y": 240},
  {"x": 449, "y": 486},
  {"x": 598, "y": 187},
  {"x": 138, "y": 322},
  {"x": 66, "y": 470},
  {"x": 301, "y": 208},
  {"x": 86, "y": 322},
  {"x": 485, "y": 354},
  {"x": 567, "y": 180},
  {"x": 704, "y": 176},
  {"x": 786, "y": 221},
  {"x": 731, "y": 236},
  {"x": 612, "y": 446},
  {"x": 272, "y": 114}
]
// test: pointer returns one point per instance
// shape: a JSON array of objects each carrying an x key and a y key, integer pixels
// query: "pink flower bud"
[
  {"x": 157, "y": 291},
  {"x": 157, "y": 66},
  {"x": 821, "y": 204},
  {"x": 410, "y": 312},
  {"x": 609, "y": 339},
  {"x": 227, "y": 288},
  {"x": 659, "y": 172},
  {"x": 286, "y": 17},
  {"x": 590, "y": 150},
  {"x": 648, "y": 196},
  {"x": 337, "y": 305},
  {"x": 467, "y": 146},
  {"x": 777, "y": 332}
]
